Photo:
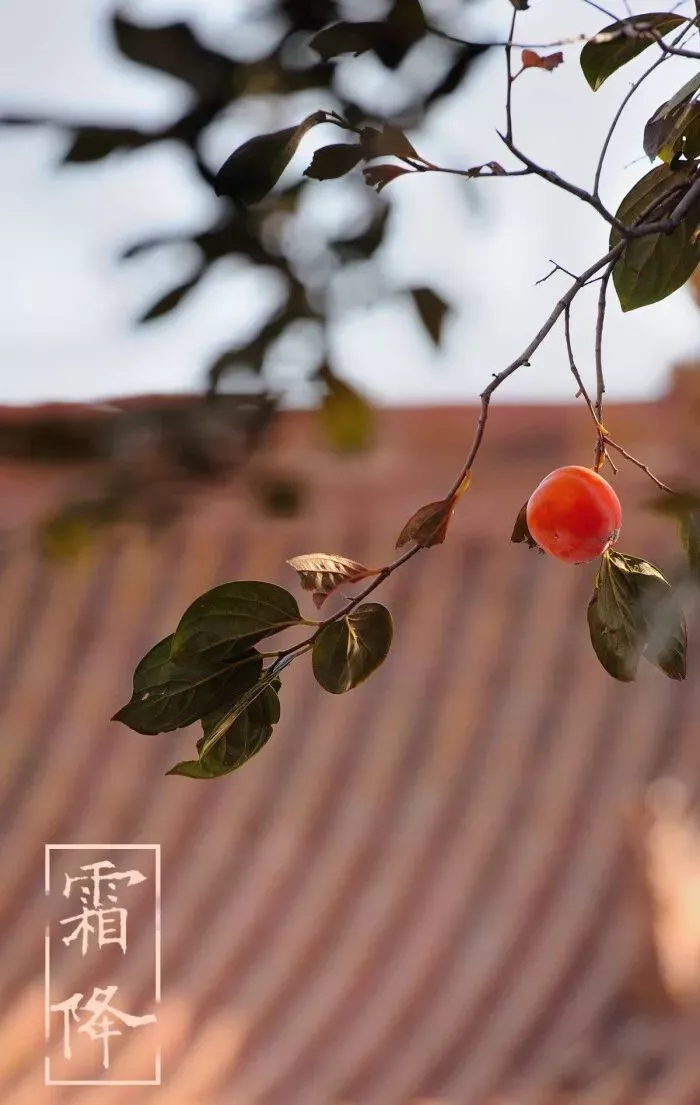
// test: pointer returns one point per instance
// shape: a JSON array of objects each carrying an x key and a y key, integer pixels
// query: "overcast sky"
[{"x": 67, "y": 307}]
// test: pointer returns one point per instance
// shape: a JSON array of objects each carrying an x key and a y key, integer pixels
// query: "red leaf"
[
  {"x": 378, "y": 176},
  {"x": 533, "y": 60}
]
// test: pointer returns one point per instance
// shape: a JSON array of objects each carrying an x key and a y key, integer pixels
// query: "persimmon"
[{"x": 574, "y": 514}]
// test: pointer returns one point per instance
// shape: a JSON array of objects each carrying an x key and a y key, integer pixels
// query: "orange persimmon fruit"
[{"x": 574, "y": 514}]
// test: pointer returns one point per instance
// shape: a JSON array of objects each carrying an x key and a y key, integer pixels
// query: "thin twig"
[
  {"x": 524, "y": 358},
  {"x": 468, "y": 174},
  {"x": 553, "y": 178},
  {"x": 640, "y": 464},
  {"x": 668, "y": 225},
  {"x": 510, "y": 78},
  {"x": 599, "y": 38},
  {"x": 572, "y": 364},
  {"x": 626, "y": 100},
  {"x": 615, "y": 121},
  {"x": 600, "y": 379}
]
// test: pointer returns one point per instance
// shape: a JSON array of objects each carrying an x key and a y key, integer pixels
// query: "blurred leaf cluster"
[{"x": 299, "y": 63}]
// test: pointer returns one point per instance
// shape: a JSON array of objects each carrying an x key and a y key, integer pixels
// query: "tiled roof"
[{"x": 416, "y": 891}]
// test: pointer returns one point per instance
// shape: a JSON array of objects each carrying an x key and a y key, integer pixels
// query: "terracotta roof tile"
[{"x": 416, "y": 891}]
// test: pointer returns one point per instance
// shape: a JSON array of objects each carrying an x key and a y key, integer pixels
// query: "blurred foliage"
[{"x": 302, "y": 58}]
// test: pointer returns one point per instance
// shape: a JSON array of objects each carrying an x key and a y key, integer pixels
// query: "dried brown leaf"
[
  {"x": 428, "y": 526},
  {"x": 532, "y": 60},
  {"x": 322, "y": 573}
]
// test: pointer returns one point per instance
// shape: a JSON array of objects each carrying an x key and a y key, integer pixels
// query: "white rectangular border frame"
[{"x": 48, "y": 849}]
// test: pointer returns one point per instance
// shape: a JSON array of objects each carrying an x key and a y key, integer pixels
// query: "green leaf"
[
  {"x": 600, "y": 59},
  {"x": 173, "y": 49},
  {"x": 457, "y": 71},
  {"x": 346, "y": 417},
  {"x": 664, "y": 132},
  {"x": 330, "y": 162},
  {"x": 234, "y": 616},
  {"x": 347, "y": 651},
  {"x": 668, "y": 640},
  {"x": 691, "y": 145},
  {"x": 634, "y": 613},
  {"x": 242, "y": 738},
  {"x": 171, "y": 299},
  {"x": 391, "y": 39},
  {"x": 432, "y": 310},
  {"x": 254, "y": 168},
  {"x": 689, "y": 532},
  {"x": 390, "y": 141},
  {"x": 95, "y": 143},
  {"x": 346, "y": 38},
  {"x": 73, "y": 528},
  {"x": 217, "y": 727},
  {"x": 168, "y": 695},
  {"x": 654, "y": 266},
  {"x": 675, "y": 503}
]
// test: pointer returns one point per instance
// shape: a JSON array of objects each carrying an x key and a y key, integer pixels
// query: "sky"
[{"x": 68, "y": 307}]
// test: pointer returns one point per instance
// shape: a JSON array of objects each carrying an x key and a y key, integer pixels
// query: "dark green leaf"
[
  {"x": 654, "y": 266},
  {"x": 334, "y": 161},
  {"x": 242, "y": 738},
  {"x": 457, "y": 72},
  {"x": 194, "y": 769},
  {"x": 432, "y": 310},
  {"x": 217, "y": 727},
  {"x": 689, "y": 530},
  {"x": 390, "y": 141},
  {"x": 665, "y": 130},
  {"x": 618, "y": 651},
  {"x": 406, "y": 17},
  {"x": 676, "y": 503},
  {"x": 169, "y": 695},
  {"x": 405, "y": 26},
  {"x": 174, "y": 49},
  {"x": 668, "y": 640},
  {"x": 691, "y": 146},
  {"x": 391, "y": 39},
  {"x": 171, "y": 299},
  {"x": 634, "y": 613},
  {"x": 346, "y": 652},
  {"x": 600, "y": 59},
  {"x": 346, "y": 416},
  {"x": 95, "y": 143},
  {"x": 255, "y": 167},
  {"x": 234, "y": 615},
  {"x": 279, "y": 496},
  {"x": 346, "y": 38},
  {"x": 521, "y": 533}
]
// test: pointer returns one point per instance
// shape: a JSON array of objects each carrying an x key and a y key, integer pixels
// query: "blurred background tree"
[{"x": 322, "y": 253}]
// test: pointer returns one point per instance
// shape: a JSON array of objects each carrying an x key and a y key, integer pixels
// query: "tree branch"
[
  {"x": 549, "y": 175},
  {"x": 600, "y": 379},
  {"x": 609, "y": 259},
  {"x": 510, "y": 78}
]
